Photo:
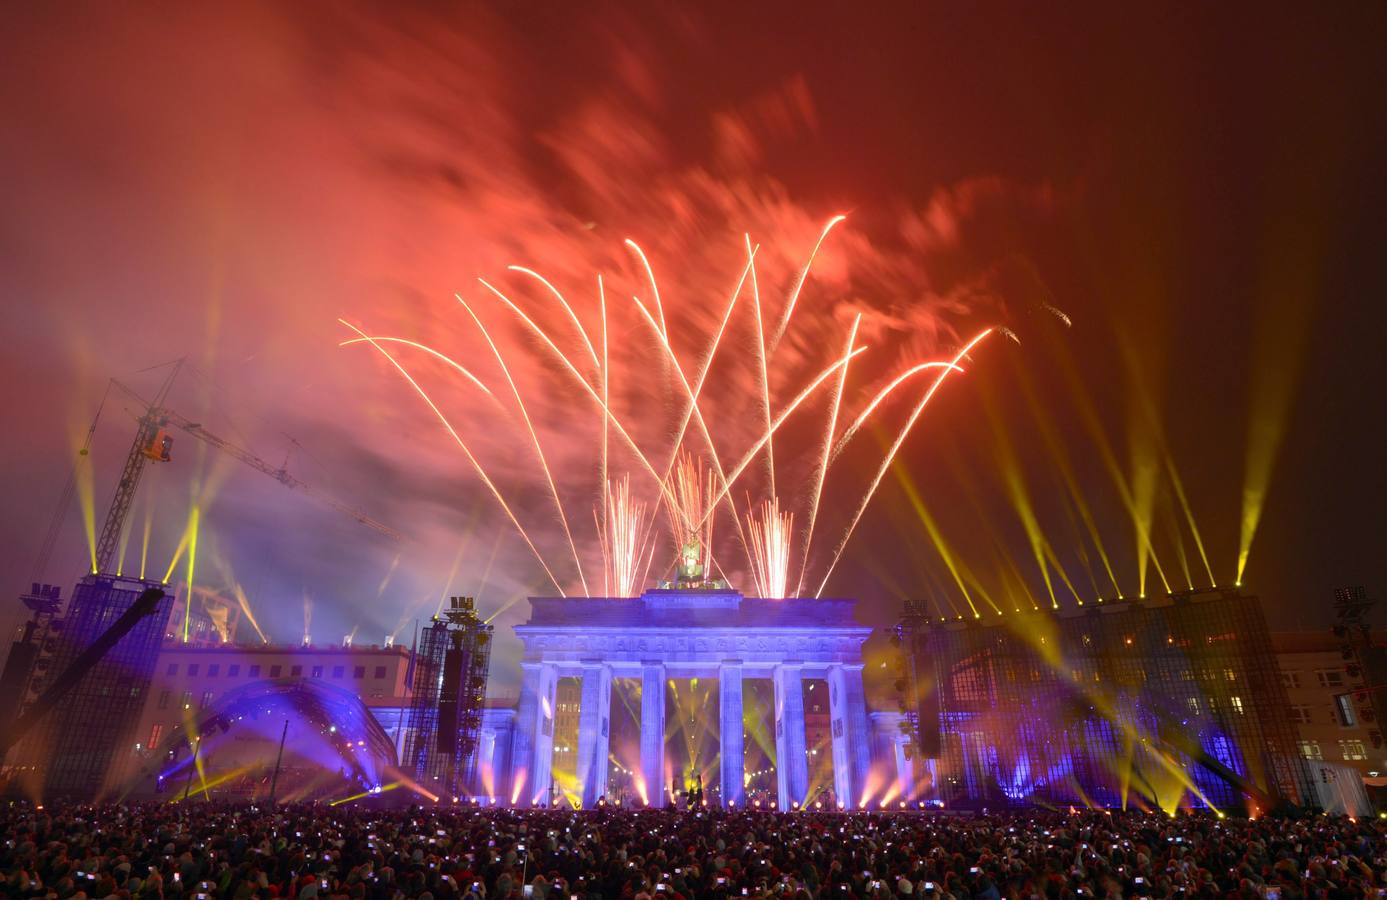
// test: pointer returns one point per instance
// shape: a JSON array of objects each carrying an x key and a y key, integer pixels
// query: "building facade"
[
  {"x": 1166, "y": 702},
  {"x": 1330, "y": 701}
]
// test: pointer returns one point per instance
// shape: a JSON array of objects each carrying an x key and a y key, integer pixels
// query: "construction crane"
[{"x": 153, "y": 444}]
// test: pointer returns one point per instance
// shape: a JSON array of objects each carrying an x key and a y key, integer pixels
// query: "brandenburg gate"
[{"x": 690, "y": 633}]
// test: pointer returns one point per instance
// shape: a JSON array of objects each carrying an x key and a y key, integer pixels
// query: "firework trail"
[
  {"x": 821, "y": 472},
  {"x": 375, "y": 339},
  {"x": 534, "y": 440},
  {"x": 573, "y": 317},
  {"x": 771, "y": 533},
  {"x": 799, "y": 285},
  {"x": 486, "y": 479},
  {"x": 891, "y": 454},
  {"x": 765, "y": 371}
]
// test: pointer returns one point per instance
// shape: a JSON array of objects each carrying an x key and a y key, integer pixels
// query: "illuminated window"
[
  {"x": 1311, "y": 749},
  {"x": 154, "y": 734},
  {"x": 1230, "y": 675},
  {"x": 1353, "y": 750},
  {"x": 1237, "y": 704},
  {"x": 206, "y": 700},
  {"x": 1300, "y": 715},
  {"x": 1344, "y": 707},
  {"x": 187, "y": 699}
]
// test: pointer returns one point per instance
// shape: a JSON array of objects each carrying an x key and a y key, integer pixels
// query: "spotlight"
[{"x": 794, "y": 804}]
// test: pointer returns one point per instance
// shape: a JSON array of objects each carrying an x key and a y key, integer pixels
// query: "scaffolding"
[
  {"x": 449, "y": 689},
  {"x": 72, "y": 753},
  {"x": 1164, "y": 703}
]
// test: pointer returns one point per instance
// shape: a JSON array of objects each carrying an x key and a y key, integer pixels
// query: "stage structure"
[
  {"x": 690, "y": 633},
  {"x": 70, "y": 753},
  {"x": 1172, "y": 701},
  {"x": 449, "y": 690}
]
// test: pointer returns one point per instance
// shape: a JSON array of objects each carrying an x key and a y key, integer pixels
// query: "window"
[
  {"x": 163, "y": 701},
  {"x": 213, "y": 670},
  {"x": 172, "y": 669},
  {"x": 1343, "y": 705},
  {"x": 154, "y": 734},
  {"x": 206, "y": 700},
  {"x": 234, "y": 671},
  {"x": 1353, "y": 750},
  {"x": 1311, "y": 749},
  {"x": 192, "y": 670},
  {"x": 1193, "y": 703},
  {"x": 187, "y": 699},
  {"x": 1300, "y": 715},
  {"x": 1237, "y": 704},
  {"x": 295, "y": 671},
  {"x": 380, "y": 671},
  {"x": 317, "y": 671},
  {"x": 253, "y": 671},
  {"x": 359, "y": 672},
  {"x": 1290, "y": 679},
  {"x": 276, "y": 671},
  {"x": 1230, "y": 675},
  {"x": 1330, "y": 678},
  {"x": 338, "y": 671}
]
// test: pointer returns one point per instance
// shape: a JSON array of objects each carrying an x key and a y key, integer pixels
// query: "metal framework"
[
  {"x": 72, "y": 755},
  {"x": 1164, "y": 702},
  {"x": 449, "y": 690}
]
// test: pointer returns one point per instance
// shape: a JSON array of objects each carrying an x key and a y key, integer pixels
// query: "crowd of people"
[{"x": 202, "y": 851}]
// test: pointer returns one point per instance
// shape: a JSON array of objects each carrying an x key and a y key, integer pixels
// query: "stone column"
[
  {"x": 526, "y": 727},
  {"x": 852, "y": 749},
  {"x": 542, "y": 757},
  {"x": 791, "y": 766},
  {"x": 730, "y": 727},
  {"x": 594, "y": 730},
  {"x": 653, "y": 732}
]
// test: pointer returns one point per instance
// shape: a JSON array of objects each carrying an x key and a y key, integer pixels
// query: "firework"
[
  {"x": 621, "y": 538},
  {"x": 691, "y": 512},
  {"x": 771, "y": 533},
  {"x": 693, "y": 482}
]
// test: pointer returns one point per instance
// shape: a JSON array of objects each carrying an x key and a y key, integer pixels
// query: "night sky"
[{"x": 1175, "y": 213}]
